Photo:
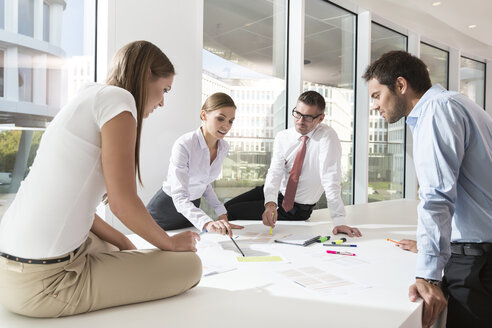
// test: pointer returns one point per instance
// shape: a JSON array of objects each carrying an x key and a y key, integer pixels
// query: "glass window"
[
  {"x": 472, "y": 80},
  {"x": 41, "y": 91},
  {"x": 2, "y": 65},
  {"x": 437, "y": 63},
  {"x": 244, "y": 53},
  {"x": 46, "y": 22},
  {"x": 387, "y": 150},
  {"x": 329, "y": 66},
  {"x": 25, "y": 77},
  {"x": 2, "y": 14},
  {"x": 26, "y": 17}
]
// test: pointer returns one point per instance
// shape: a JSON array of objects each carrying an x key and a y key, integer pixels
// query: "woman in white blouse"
[
  {"x": 196, "y": 161},
  {"x": 57, "y": 257}
]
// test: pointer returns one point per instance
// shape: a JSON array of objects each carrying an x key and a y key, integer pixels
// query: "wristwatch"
[{"x": 431, "y": 281}]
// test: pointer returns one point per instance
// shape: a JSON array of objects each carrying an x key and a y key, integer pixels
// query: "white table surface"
[{"x": 256, "y": 295}]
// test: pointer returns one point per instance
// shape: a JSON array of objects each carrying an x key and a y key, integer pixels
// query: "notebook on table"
[{"x": 298, "y": 239}]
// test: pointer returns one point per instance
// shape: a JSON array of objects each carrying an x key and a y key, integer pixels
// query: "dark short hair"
[
  {"x": 313, "y": 98},
  {"x": 394, "y": 64}
]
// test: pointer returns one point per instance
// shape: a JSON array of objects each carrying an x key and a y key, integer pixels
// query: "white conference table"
[{"x": 261, "y": 295}]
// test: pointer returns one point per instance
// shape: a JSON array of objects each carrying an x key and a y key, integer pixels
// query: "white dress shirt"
[
  {"x": 321, "y": 170},
  {"x": 190, "y": 175},
  {"x": 54, "y": 208}
]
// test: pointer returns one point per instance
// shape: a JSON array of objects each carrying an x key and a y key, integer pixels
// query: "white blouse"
[
  {"x": 54, "y": 208},
  {"x": 190, "y": 175}
]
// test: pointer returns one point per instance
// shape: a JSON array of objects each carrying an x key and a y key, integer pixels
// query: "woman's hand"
[
  {"x": 224, "y": 217},
  {"x": 219, "y": 226},
  {"x": 185, "y": 241}
]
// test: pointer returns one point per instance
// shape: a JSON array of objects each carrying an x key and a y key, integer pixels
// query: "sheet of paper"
[
  {"x": 259, "y": 259},
  {"x": 322, "y": 281}
]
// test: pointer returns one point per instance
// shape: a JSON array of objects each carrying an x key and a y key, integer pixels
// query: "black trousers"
[
  {"x": 251, "y": 205},
  {"x": 468, "y": 283},
  {"x": 162, "y": 209}
]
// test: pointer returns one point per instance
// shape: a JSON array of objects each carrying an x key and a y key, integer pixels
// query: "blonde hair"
[
  {"x": 131, "y": 68},
  {"x": 217, "y": 101}
]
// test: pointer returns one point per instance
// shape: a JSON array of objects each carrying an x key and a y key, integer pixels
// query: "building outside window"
[
  {"x": 329, "y": 68},
  {"x": 36, "y": 81},
  {"x": 244, "y": 56},
  {"x": 472, "y": 80},
  {"x": 437, "y": 61},
  {"x": 26, "y": 17},
  {"x": 387, "y": 150}
]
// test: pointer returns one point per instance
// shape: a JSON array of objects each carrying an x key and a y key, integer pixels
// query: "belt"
[
  {"x": 38, "y": 261},
  {"x": 473, "y": 249}
]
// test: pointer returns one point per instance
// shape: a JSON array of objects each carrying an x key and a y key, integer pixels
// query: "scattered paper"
[{"x": 259, "y": 259}]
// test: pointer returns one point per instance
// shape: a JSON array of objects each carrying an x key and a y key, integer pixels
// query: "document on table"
[
  {"x": 320, "y": 281},
  {"x": 298, "y": 239}
]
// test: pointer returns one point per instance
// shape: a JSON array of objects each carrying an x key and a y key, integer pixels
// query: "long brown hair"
[{"x": 131, "y": 68}]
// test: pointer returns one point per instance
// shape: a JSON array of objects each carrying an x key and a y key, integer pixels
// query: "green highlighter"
[{"x": 322, "y": 239}]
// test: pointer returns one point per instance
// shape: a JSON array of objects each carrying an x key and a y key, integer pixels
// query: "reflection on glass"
[
  {"x": 41, "y": 82},
  {"x": 386, "y": 141},
  {"x": 2, "y": 14},
  {"x": 26, "y": 17},
  {"x": 472, "y": 80},
  {"x": 329, "y": 65},
  {"x": 46, "y": 22},
  {"x": 437, "y": 63},
  {"x": 2, "y": 65},
  {"x": 244, "y": 56},
  {"x": 25, "y": 77}
]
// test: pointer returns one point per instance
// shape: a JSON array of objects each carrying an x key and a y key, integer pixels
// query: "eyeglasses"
[{"x": 306, "y": 118}]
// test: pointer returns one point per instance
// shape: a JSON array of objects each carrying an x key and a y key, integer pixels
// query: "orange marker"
[{"x": 392, "y": 241}]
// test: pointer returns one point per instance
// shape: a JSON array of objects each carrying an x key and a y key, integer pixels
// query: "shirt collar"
[
  {"x": 203, "y": 142},
  {"x": 417, "y": 109},
  {"x": 297, "y": 135},
  {"x": 201, "y": 138}
]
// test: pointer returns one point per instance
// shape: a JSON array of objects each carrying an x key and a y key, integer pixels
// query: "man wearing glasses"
[{"x": 306, "y": 162}]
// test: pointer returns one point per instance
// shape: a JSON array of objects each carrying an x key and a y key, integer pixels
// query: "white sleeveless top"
[{"x": 54, "y": 208}]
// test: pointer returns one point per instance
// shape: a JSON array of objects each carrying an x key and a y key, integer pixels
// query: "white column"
[
  {"x": 11, "y": 74},
  {"x": 11, "y": 15},
  {"x": 296, "y": 55},
  {"x": 411, "y": 184},
  {"x": 361, "y": 156},
  {"x": 38, "y": 19},
  {"x": 454, "y": 69},
  {"x": 279, "y": 38},
  {"x": 488, "y": 86},
  {"x": 55, "y": 24},
  {"x": 39, "y": 64}
]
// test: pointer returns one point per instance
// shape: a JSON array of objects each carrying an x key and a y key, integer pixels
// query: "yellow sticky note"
[{"x": 259, "y": 259}]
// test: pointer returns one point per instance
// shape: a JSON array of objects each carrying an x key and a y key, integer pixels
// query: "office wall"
[{"x": 176, "y": 27}]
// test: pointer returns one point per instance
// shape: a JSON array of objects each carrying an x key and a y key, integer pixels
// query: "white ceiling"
[{"x": 447, "y": 23}]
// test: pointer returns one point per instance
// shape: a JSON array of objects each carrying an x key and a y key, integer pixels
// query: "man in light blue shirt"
[{"x": 452, "y": 138}]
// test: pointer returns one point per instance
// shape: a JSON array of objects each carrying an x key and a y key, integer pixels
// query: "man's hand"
[
  {"x": 408, "y": 245},
  {"x": 351, "y": 232},
  {"x": 434, "y": 300},
  {"x": 269, "y": 216}
]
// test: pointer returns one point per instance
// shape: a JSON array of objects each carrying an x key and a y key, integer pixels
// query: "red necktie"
[{"x": 290, "y": 191}]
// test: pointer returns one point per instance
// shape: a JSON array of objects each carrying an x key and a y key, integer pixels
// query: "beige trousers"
[{"x": 98, "y": 276}]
